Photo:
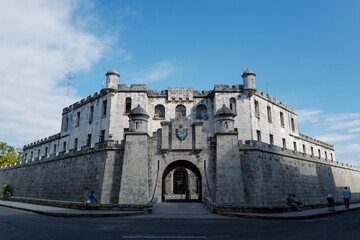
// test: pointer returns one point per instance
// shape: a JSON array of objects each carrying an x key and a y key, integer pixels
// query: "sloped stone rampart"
[
  {"x": 68, "y": 177},
  {"x": 270, "y": 173}
]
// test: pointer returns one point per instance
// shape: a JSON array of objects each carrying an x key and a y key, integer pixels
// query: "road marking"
[{"x": 163, "y": 237}]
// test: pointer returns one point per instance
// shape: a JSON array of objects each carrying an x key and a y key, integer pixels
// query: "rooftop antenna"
[
  {"x": 69, "y": 78},
  {"x": 267, "y": 88}
]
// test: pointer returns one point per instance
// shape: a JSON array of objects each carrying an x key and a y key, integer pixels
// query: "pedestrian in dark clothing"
[{"x": 347, "y": 195}]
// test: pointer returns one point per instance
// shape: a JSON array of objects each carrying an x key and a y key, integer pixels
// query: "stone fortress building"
[{"x": 230, "y": 146}]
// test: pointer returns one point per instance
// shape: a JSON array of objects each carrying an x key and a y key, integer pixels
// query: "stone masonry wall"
[
  {"x": 270, "y": 173},
  {"x": 68, "y": 177}
]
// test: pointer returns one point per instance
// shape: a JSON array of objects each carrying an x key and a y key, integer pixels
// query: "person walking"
[{"x": 347, "y": 195}]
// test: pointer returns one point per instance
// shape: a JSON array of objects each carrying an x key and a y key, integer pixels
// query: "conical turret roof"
[{"x": 224, "y": 111}]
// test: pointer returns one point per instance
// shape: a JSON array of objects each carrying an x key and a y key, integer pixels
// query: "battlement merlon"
[
  {"x": 314, "y": 141},
  {"x": 273, "y": 100},
  {"x": 42, "y": 141}
]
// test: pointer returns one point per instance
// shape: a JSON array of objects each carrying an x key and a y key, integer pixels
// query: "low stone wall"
[
  {"x": 270, "y": 173},
  {"x": 69, "y": 176},
  {"x": 80, "y": 205}
]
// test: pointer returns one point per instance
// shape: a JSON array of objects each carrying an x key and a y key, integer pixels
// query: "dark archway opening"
[{"x": 180, "y": 180}]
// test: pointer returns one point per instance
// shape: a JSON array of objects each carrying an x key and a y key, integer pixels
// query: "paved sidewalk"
[
  {"x": 175, "y": 210},
  {"x": 182, "y": 210},
  {"x": 66, "y": 212},
  {"x": 294, "y": 215}
]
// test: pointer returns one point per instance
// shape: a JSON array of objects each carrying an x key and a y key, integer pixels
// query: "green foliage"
[
  {"x": 9, "y": 154},
  {"x": 5, "y": 188}
]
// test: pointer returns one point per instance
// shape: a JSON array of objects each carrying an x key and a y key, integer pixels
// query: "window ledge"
[{"x": 159, "y": 118}]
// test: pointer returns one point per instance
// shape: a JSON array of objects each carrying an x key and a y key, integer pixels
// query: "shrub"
[{"x": 5, "y": 188}]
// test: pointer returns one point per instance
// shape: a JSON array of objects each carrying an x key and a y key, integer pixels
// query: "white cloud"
[
  {"x": 130, "y": 11},
  {"x": 353, "y": 148},
  {"x": 37, "y": 41},
  {"x": 344, "y": 125},
  {"x": 335, "y": 137},
  {"x": 342, "y": 129},
  {"x": 354, "y": 130},
  {"x": 341, "y": 116},
  {"x": 309, "y": 115},
  {"x": 158, "y": 72}
]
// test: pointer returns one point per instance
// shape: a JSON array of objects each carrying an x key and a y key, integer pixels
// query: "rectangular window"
[
  {"x": 304, "y": 148},
  {"x": 127, "y": 105},
  {"x": 64, "y": 146},
  {"x": 312, "y": 151},
  {"x": 295, "y": 148},
  {"x": 88, "y": 141},
  {"x": 125, "y": 131},
  {"x": 258, "y": 134},
  {"x": 78, "y": 119},
  {"x": 325, "y": 155},
  {"x": 269, "y": 114},
  {"x": 66, "y": 124},
  {"x": 332, "y": 158},
  {"x": 75, "y": 143},
  {"x": 282, "y": 122},
  {"x": 284, "y": 142},
  {"x": 32, "y": 154},
  {"x": 292, "y": 125},
  {"x": 38, "y": 152},
  {"x": 257, "y": 113},
  {"x": 91, "y": 115},
  {"x": 271, "y": 139},
  {"x": 319, "y": 153},
  {"x": 102, "y": 136},
  {"x": 54, "y": 148},
  {"x": 104, "y": 106},
  {"x": 25, "y": 156},
  {"x": 46, "y": 151}
]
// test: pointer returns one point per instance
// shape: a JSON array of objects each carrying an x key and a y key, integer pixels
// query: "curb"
[
  {"x": 325, "y": 214},
  {"x": 80, "y": 215}
]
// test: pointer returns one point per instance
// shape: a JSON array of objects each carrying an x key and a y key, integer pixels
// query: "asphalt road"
[{"x": 16, "y": 224}]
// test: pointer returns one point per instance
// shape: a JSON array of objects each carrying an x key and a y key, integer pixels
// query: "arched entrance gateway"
[{"x": 180, "y": 180}]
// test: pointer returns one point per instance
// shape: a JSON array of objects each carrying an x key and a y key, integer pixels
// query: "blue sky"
[{"x": 307, "y": 52}]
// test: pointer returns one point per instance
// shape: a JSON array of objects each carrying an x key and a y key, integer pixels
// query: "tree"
[{"x": 9, "y": 154}]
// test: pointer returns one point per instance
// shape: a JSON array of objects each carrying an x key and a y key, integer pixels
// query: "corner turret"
[
  {"x": 112, "y": 79},
  {"x": 138, "y": 120},
  {"x": 249, "y": 81},
  {"x": 224, "y": 120}
]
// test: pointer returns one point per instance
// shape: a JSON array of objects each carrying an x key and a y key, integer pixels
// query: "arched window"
[
  {"x": 127, "y": 105},
  {"x": 159, "y": 111},
  {"x": 180, "y": 111},
  {"x": 201, "y": 112},
  {"x": 233, "y": 105}
]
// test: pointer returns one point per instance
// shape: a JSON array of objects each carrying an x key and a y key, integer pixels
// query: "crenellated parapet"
[
  {"x": 203, "y": 94},
  {"x": 157, "y": 94},
  {"x": 86, "y": 100},
  {"x": 227, "y": 88},
  {"x": 180, "y": 94},
  {"x": 107, "y": 145},
  {"x": 314, "y": 141},
  {"x": 42, "y": 141},
  {"x": 252, "y": 145},
  {"x": 132, "y": 88},
  {"x": 273, "y": 100}
]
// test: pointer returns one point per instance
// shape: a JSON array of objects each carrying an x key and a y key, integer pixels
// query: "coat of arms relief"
[{"x": 181, "y": 133}]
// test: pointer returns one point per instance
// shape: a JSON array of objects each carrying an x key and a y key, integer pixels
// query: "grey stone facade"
[{"x": 234, "y": 145}]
